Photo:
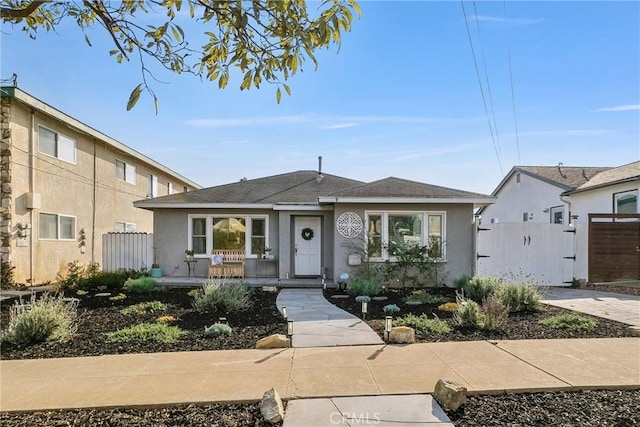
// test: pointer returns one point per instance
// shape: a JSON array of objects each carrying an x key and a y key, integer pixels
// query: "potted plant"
[
  {"x": 155, "y": 270},
  {"x": 188, "y": 254},
  {"x": 267, "y": 254}
]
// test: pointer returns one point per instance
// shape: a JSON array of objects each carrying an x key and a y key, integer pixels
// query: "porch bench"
[{"x": 231, "y": 264}]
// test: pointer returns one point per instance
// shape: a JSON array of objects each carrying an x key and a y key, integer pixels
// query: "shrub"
[
  {"x": 448, "y": 306},
  {"x": 118, "y": 297},
  {"x": 391, "y": 309},
  {"x": 425, "y": 297},
  {"x": 145, "y": 307},
  {"x": 141, "y": 285},
  {"x": 479, "y": 288},
  {"x": 493, "y": 314},
  {"x": 573, "y": 322},
  {"x": 217, "y": 329},
  {"x": 114, "y": 279},
  {"x": 519, "y": 297},
  {"x": 159, "y": 332},
  {"x": 221, "y": 295},
  {"x": 166, "y": 319},
  {"x": 81, "y": 292},
  {"x": 462, "y": 282},
  {"x": 46, "y": 319},
  {"x": 468, "y": 313},
  {"x": 363, "y": 298},
  {"x": 79, "y": 276},
  {"x": 422, "y": 322},
  {"x": 193, "y": 293},
  {"x": 362, "y": 286}
]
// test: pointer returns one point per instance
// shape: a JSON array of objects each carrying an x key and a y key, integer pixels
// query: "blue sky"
[{"x": 401, "y": 97}]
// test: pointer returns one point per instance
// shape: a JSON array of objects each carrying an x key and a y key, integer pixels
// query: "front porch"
[{"x": 177, "y": 281}]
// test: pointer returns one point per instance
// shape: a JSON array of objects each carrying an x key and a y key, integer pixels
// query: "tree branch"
[{"x": 11, "y": 14}]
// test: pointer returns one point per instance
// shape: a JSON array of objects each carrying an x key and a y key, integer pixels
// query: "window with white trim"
[
  {"x": 56, "y": 227},
  {"x": 125, "y": 227},
  {"x": 557, "y": 215},
  {"x": 152, "y": 186},
  {"x": 248, "y": 233},
  {"x": 56, "y": 145},
  {"x": 625, "y": 202},
  {"x": 125, "y": 172},
  {"x": 169, "y": 188},
  {"x": 387, "y": 231}
]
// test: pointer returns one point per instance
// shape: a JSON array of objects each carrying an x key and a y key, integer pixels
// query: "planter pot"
[{"x": 155, "y": 272}]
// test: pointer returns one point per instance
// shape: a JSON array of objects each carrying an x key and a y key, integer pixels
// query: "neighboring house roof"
[
  {"x": 311, "y": 189},
  {"x": 624, "y": 173},
  {"x": 22, "y": 96}
]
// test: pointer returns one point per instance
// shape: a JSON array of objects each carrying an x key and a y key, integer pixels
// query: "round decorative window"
[{"x": 349, "y": 225}]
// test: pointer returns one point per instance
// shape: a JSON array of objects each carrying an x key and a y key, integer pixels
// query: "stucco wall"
[
  {"x": 459, "y": 236},
  {"x": 87, "y": 190},
  {"x": 529, "y": 195}
]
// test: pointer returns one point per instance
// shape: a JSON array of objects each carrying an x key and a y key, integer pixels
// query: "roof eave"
[
  {"x": 144, "y": 204},
  {"x": 479, "y": 201},
  {"x": 603, "y": 185}
]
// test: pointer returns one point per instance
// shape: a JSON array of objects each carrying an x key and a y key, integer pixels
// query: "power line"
[
  {"x": 484, "y": 101},
  {"x": 513, "y": 98},
  {"x": 486, "y": 75}
]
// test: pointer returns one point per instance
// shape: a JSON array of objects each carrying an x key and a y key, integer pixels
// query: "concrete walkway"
[
  {"x": 318, "y": 323},
  {"x": 613, "y": 306},
  {"x": 244, "y": 375}
]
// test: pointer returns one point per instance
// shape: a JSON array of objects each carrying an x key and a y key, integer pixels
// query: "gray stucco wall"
[{"x": 458, "y": 236}]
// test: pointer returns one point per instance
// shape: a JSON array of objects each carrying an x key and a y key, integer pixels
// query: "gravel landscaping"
[
  {"x": 519, "y": 326},
  {"x": 99, "y": 315}
]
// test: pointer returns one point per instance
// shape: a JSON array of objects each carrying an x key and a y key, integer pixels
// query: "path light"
[
  {"x": 344, "y": 278},
  {"x": 388, "y": 321},
  {"x": 364, "y": 309},
  {"x": 289, "y": 328},
  {"x": 284, "y": 312},
  {"x": 222, "y": 320}
]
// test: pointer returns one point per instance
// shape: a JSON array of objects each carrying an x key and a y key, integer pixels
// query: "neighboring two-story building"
[{"x": 65, "y": 184}]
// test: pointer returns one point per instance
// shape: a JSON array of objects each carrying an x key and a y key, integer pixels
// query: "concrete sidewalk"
[
  {"x": 318, "y": 323},
  {"x": 244, "y": 375},
  {"x": 608, "y": 305}
]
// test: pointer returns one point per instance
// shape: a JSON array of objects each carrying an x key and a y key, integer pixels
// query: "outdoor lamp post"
[
  {"x": 388, "y": 321},
  {"x": 364, "y": 309},
  {"x": 289, "y": 328},
  {"x": 284, "y": 312}
]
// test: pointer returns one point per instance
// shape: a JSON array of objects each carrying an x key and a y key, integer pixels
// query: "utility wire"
[
  {"x": 486, "y": 76},
  {"x": 484, "y": 101},
  {"x": 513, "y": 98}
]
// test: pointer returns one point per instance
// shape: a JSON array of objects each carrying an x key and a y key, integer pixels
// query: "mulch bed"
[
  {"x": 98, "y": 315},
  {"x": 519, "y": 326},
  {"x": 629, "y": 290}
]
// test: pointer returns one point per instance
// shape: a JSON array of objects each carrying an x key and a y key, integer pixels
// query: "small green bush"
[
  {"x": 519, "y": 297},
  {"x": 362, "y": 286},
  {"x": 391, "y": 309},
  {"x": 193, "y": 293},
  {"x": 462, "y": 282},
  {"x": 159, "y": 332},
  {"x": 425, "y": 297},
  {"x": 48, "y": 318},
  {"x": 573, "y": 322},
  {"x": 145, "y": 307},
  {"x": 493, "y": 314},
  {"x": 363, "y": 298},
  {"x": 422, "y": 322},
  {"x": 217, "y": 329},
  {"x": 221, "y": 295},
  {"x": 141, "y": 285},
  {"x": 78, "y": 276},
  {"x": 81, "y": 292},
  {"x": 118, "y": 297},
  {"x": 114, "y": 279},
  {"x": 468, "y": 313},
  {"x": 479, "y": 288}
]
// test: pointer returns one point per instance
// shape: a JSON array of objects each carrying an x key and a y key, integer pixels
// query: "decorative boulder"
[
  {"x": 271, "y": 407},
  {"x": 402, "y": 335},
  {"x": 273, "y": 341},
  {"x": 449, "y": 394}
]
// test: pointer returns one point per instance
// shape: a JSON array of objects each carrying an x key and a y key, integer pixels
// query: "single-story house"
[{"x": 309, "y": 221}]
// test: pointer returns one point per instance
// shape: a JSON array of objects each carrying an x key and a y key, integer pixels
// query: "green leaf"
[
  {"x": 86, "y": 39},
  {"x": 133, "y": 98},
  {"x": 278, "y": 95},
  {"x": 287, "y": 89}
]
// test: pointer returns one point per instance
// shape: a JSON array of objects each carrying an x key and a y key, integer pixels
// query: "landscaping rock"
[
  {"x": 271, "y": 407},
  {"x": 103, "y": 294},
  {"x": 101, "y": 288},
  {"x": 402, "y": 335},
  {"x": 380, "y": 298},
  {"x": 449, "y": 394},
  {"x": 71, "y": 300},
  {"x": 413, "y": 303},
  {"x": 273, "y": 341},
  {"x": 339, "y": 296},
  {"x": 634, "y": 331},
  {"x": 270, "y": 289}
]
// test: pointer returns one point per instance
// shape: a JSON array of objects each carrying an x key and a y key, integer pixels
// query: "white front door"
[{"x": 308, "y": 246}]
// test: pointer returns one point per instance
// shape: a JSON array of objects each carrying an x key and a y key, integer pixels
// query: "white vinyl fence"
[
  {"x": 542, "y": 253},
  {"x": 127, "y": 250}
]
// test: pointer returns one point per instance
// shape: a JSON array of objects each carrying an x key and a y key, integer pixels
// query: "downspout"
[
  {"x": 93, "y": 202},
  {"x": 32, "y": 180},
  {"x": 575, "y": 237}
]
